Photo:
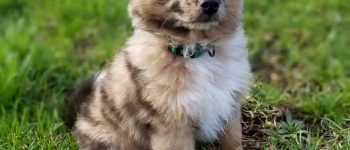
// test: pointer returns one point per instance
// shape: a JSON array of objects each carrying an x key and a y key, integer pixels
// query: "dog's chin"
[{"x": 198, "y": 25}]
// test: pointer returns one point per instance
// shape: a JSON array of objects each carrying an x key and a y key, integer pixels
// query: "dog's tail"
[{"x": 79, "y": 95}]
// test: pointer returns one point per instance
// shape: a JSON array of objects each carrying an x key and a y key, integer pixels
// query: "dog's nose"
[{"x": 210, "y": 6}]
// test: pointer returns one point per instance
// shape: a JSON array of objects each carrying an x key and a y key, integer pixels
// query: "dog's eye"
[{"x": 162, "y": 2}]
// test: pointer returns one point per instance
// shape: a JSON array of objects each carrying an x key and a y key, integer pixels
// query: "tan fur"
[
  {"x": 134, "y": 107},
  {"x": 231, "y": 138}
]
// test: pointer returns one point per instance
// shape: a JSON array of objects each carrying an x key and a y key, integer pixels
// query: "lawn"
[{"x": 300, "y": 54}]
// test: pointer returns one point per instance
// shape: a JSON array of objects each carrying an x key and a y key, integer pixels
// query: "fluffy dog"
[{"x": 179, "y": 79}]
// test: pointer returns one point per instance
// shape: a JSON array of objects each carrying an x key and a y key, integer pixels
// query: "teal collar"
[{"x": 195, "y": 52}]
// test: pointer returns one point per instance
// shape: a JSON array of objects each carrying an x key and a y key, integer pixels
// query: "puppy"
[{"x": 178, "y": 80}]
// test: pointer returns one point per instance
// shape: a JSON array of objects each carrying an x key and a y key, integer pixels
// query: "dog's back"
[{"x": 75, "y": 100}]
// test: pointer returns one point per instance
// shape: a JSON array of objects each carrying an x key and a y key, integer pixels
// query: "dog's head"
[{"x": 204, "y": 19}]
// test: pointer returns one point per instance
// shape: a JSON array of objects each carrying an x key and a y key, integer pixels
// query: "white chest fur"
[{"x": 208, "y": 99}]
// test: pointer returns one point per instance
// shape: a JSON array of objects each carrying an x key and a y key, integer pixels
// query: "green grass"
[{"x": 300, "y": 53}]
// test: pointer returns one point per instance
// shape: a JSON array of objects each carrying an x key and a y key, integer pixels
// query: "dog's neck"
[
  {"x": 189, "y": 47},
  {"x": 192, "y": 37}
]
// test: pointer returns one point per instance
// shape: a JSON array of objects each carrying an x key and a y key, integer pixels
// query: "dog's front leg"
[
  {"x": 180, "y": 138},
  {"x": 231, "y": 139}
]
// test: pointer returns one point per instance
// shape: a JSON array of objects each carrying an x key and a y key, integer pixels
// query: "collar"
[{"x": 192, "y": 51}]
